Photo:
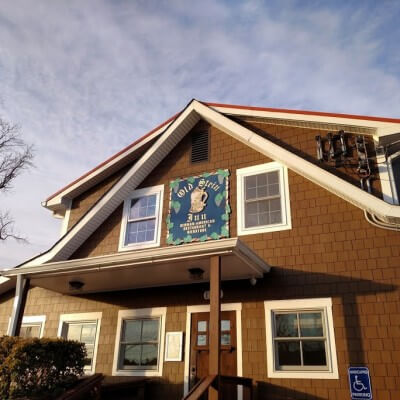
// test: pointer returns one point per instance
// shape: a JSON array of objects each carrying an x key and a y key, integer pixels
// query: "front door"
[{"x": 199, "y": 349}]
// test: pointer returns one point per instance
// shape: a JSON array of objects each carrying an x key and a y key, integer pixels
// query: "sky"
[{"x": 83, "y": 79}]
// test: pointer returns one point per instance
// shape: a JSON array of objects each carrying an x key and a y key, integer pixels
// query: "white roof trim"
[
  {"x": 97, "y": 174},
  {"x": 175, "y": 132},
  {"x": 381, "y": 128},
  {"x": 150, "y": 256}
]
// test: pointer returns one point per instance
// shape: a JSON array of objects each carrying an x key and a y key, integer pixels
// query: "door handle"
[{"x": 192, "y": 371}]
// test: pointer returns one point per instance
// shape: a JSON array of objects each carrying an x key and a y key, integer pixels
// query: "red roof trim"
[
  {"x": 323, "y": 114},
  {"x": 239, "y": 107},
  {"x": 114, "y": 156}
]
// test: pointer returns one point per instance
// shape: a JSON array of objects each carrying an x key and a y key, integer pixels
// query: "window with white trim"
[
  {"x": 263, "y": 199},
  {"x": 32, "y": 326},
  {"x": 141, "y": 221},
  {"x": 394, "y": 175},
  {"x": 300, "y": 339},
  {"x": 140, "y": 342},
  {"x": 84, "y": 328}
]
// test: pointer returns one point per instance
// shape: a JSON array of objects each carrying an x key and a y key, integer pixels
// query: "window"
[
  {"x": 300, "y": 339},
  {"x": 394, "y": 175},
  {"x": 32, "y": 326},
  {"x": 263, "y": 199},
  {"x": 141, "y": 224},
  {"x": 140, "y": 342},
  {"x": 84, "y": 328}
]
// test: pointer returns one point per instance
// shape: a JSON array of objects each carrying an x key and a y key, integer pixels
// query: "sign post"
[{"x": 360, "y": 383}]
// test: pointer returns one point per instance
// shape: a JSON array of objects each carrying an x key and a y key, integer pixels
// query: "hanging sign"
[
  {"x": 360, "y": 383},
  {"x": 198, "y": 208}
]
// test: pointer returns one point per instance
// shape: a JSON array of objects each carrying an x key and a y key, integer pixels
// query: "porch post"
[
  {"x": 21, "y": 292},
  {"x": 215, "y": 327}
]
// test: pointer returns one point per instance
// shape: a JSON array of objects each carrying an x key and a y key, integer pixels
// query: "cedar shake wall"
[{"x": 331, "y": 251}]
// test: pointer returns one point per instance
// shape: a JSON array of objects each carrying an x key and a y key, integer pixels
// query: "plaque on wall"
[{"x": 199, "y": 208}]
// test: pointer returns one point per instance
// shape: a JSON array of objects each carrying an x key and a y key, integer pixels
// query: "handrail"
[
  {"x": 200, "y": 388},
  {"x": 84, "y": 387},
  {"x": 236, "y": 380}
]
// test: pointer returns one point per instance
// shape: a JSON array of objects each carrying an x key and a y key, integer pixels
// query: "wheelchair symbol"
[{"x": 358, "y": 386}]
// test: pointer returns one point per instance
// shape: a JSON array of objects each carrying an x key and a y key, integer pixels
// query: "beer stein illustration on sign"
[{"x": 198, "y": 200}]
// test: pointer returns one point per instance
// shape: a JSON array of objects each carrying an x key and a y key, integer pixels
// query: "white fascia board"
[
  {"x": 334, "y": 184},
  {"x": 122, "y": 189},
  {"x": 160, "y": 255},
  {"x": 382, "y": 128},
  {"x": 57, "y": 201}
]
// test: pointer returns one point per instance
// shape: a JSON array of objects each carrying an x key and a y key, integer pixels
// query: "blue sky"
[{"x": 85, "y": 78}]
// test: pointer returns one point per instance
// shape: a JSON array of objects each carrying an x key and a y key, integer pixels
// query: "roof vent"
[{"x": 200, "y": 146}]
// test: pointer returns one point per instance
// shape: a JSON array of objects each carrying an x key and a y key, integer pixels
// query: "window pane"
[
  {"x": 314, "y": 352},
  {"x": 201, "y": 340},
  {"x": 132, "y": 331},
  {"x": 88, "y": 333},
  {"x": 143, "y": 207},
  {"x": 286, "y": 325},
  {"x": 225, "y": 339},
  {"x": 89, "y": 355},
  {"x": 150, "y": 330},
  {"x": 140, "y": 231},
  {"x": 149, "y": 354},
  {"x": 311, "y": 324},
  {"x": 202, "y": 326},
  {"x": 273, "y": 177},
  {"x": 288, "y": 353},
  {"x": 30, "y": 331},
  {"x": 130, "y": 354},
  {"x": 74, "y": 332},
  {"x": 225, "y": 325}
]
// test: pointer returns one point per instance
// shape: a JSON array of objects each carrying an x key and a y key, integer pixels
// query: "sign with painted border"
[
  {"x": 360, "y": 383},
  {"x": 199, "y": 208}
]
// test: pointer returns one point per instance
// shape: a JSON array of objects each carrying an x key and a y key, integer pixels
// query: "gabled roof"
[
  {"x": 376, "y": 126},
  {"x": 175, "y": 131}
]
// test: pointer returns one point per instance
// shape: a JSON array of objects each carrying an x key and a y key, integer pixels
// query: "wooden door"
[{"x": 199, "y": 350}]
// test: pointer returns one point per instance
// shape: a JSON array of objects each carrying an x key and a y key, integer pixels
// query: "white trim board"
[
  {"x": 166, "y": 142},
  {"x": 206, "y": 308}
]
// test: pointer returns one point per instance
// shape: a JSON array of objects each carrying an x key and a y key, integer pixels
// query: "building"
[{"x": 299, "y": 213}]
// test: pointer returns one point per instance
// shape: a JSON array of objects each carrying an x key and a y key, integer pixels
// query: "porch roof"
[{"x": 152, "y": 267}]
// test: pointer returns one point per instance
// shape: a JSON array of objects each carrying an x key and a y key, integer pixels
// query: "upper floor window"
[
  {"x": 394, "y": 175},
  {"x": 263, "y": 199},
  {"x": 141, "y": 221}
]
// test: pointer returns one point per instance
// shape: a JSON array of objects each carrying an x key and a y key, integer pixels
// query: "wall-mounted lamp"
[
  {"x": 76, "y": 285},
  {"x": 196, "y": 274}
]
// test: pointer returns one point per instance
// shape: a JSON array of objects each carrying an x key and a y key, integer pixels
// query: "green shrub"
[{"x": 38, "y": 368}]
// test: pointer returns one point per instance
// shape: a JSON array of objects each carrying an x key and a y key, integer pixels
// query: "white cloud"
[{"x": 84, "y": 79}]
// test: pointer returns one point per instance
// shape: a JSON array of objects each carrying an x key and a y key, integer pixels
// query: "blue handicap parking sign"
[{"x": 360, "y": 383}]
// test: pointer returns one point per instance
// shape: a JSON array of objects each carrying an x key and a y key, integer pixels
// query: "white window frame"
[
  {"x": 157, "y": 312},
  {"x": 159, "y": 191},
  {"x": 391, "y": 158},
  {"x": 241, "y": 174},
  {"x": 82, "y": 318},
  {"x": 32, "y": 320},
  {"x": 324, "y": 304}
]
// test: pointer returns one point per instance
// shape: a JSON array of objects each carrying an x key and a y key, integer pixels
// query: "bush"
[{"x": 38, "y": 368}]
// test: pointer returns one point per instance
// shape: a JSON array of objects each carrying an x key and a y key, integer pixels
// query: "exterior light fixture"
[
  {"x": 76, "y": 285},
  {"x": 196, "y": 274}
]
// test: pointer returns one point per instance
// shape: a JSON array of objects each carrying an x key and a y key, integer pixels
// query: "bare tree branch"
[
  {"x": 15, "y": 156},
  {"x": 7, "y": 228}
]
